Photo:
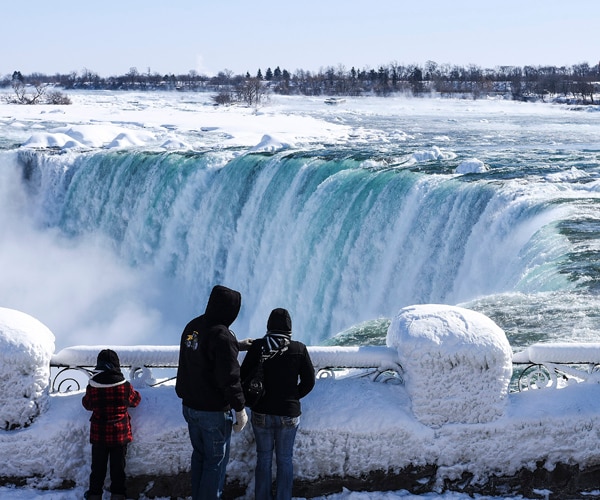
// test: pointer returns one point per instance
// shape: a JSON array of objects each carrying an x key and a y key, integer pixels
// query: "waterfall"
[{"x": 328, "y": 236}]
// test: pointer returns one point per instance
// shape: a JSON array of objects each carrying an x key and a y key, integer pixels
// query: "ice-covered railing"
[
  {"x": 377, "y": 362},
  {"x": 556, "y": 364},
  {"x": 140, "y": 360},
  {"x": 539, "y": 366}
]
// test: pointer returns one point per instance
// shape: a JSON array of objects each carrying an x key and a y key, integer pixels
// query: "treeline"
[{"x": 578, "y": 83}]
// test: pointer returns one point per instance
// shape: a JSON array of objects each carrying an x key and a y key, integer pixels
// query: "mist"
[{"x": 77, "y": 287}]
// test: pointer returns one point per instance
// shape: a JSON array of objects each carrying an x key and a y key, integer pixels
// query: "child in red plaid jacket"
[{"x": 107, "y": 396}]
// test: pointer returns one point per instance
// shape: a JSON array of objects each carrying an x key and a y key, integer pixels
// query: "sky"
[{"x": 111, "y": 37}]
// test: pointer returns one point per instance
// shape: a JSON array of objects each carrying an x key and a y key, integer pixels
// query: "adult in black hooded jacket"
[
  {"x": 208, "y": 382},
  {"x": 288, "y": 376}
]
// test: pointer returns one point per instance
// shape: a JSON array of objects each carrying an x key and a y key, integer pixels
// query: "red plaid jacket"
[{"x": 110, "y": 420}]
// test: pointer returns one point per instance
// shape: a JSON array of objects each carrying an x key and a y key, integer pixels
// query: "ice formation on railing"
[
  {"x": 130, "y": 356},
  {"x": 560, "y": 352},
  {"x": 142, "y": 359},
  {"x": 558, "y": 364}
]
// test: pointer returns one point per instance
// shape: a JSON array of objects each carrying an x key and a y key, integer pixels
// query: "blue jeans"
[
  {"x": 210, "y": 434},
  {"x": 273, "y": 432}
]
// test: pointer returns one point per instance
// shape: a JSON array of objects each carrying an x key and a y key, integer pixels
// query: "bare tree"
[
  {"x": 132, "y": 76},
  {"x": 252, "y": 92},
  {"x": 22, "y": 97},
  {"x": 56, "y": 97},
  {"x": 583, "y": 81}
]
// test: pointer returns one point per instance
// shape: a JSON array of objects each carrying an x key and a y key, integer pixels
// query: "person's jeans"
[
  {"x": 210, "y": 434},
  {"x": 273, "y": 432}
]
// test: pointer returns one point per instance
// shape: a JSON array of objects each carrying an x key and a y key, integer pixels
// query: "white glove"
[{"x": 241, "y": 419}]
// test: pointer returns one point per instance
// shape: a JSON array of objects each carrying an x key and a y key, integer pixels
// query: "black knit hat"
[
  {"x": 108, "y": 360},
  {"x": 279, "y": 321}
]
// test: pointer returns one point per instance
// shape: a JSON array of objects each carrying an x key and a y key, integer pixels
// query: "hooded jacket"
[
  {"x": 208, "y": 376},
  {"x": 108, "y": 396},
  {"x": 289, "y": 374}
]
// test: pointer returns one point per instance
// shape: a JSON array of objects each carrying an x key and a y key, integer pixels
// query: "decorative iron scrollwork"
[
  {"x": 326, "y": 373},
  {"x": 69, "y": 383},
  {"x": 74, "y": 378},
  {"x": 387, "y": 376},
  {"x": 141, "y": 376},
  {"x": 537, "y": 376}
]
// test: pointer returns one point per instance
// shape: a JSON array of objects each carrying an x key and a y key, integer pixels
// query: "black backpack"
[{"x": 254, "y": 384}]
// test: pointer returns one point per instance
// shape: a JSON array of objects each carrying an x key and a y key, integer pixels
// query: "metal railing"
[
  {"x": 73, "y": 366},
  {"x": 547, "y": 366},
  {"x": 540, "y": 366}
]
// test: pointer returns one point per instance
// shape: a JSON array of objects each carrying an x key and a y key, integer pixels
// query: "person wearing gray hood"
[{"x": 208, "y": 383}]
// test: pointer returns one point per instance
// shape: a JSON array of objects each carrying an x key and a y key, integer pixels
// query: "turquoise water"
[{"x": 347, "y": 233}]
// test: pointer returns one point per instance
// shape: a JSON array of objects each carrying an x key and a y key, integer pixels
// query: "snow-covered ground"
[
  {"x": 167, "y": 121},
  {"x": 457, "y": 359}
]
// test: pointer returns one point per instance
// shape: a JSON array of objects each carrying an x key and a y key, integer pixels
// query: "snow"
[
  {"x": 560, "y": 352},
  {"x": 115, "y": 120},
  {"x": 467, "y": 355},
  {"x": 168, "y": 356},
  {"x": 435, "y": 153},
  {"x": 472, "y": 166},
  {"x": 25, "y": 349},
  {"x": 128, "y": 355},
  {"x": 349, "y": 424},
  {"x": 269, "y": 144}
]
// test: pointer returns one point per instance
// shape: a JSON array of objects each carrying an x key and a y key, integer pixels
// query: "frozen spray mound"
[
  {"x": 26, "y": 346},
  {"x": 457, "y": 363}
]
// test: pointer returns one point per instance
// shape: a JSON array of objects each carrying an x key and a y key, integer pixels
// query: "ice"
[{"x": 26, "y": 345}]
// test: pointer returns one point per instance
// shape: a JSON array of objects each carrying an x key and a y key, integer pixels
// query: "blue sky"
[{"x": 176, "y": 36}]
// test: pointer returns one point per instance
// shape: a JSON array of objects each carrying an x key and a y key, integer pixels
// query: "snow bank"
[
  {"x": 457, "y": 363},
  {"x": 573, "y": 174},
  {"x": 269, "y": 144},
  {"x": 88, "y": 136},
  {"x": 54, "y": 140},
  {"x": 173, "y": 122},
  {"x": 26, "y": 346}
]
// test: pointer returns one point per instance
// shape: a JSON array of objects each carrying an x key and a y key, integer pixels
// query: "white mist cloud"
[{"x": 78, "y": 288}]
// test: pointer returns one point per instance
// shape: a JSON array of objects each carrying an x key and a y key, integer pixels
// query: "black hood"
[
  {"x": 108, "y": 368},
  {"x": 279, "y": 321},
  {"x": 223, "y": 306},
  {"x": 108, "y": 361}
]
